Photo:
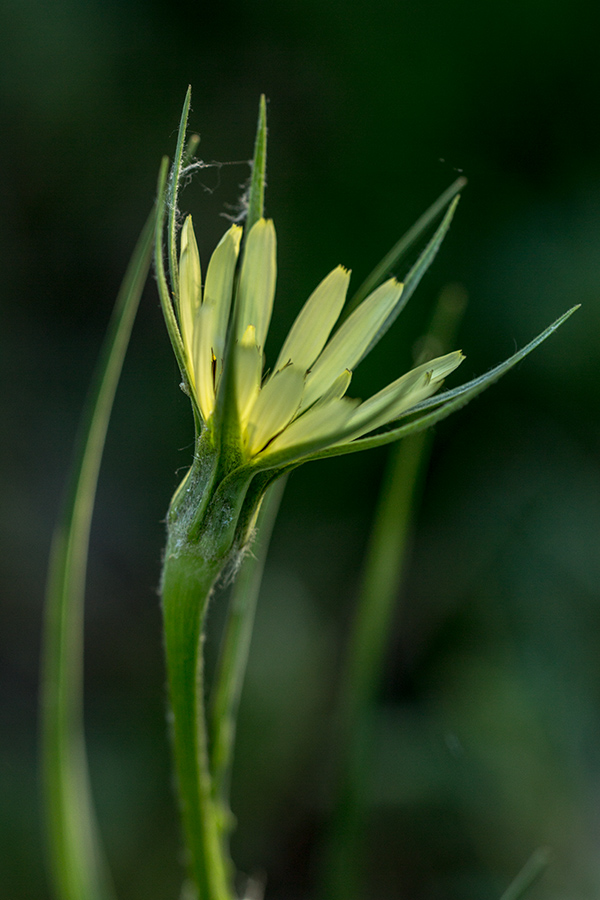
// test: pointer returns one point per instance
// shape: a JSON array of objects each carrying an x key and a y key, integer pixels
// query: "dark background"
[{"x": 487, "y": 738}]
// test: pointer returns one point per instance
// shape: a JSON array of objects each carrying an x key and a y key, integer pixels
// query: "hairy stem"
[
  {"x": 203, "y": 539},
  {"x": 188, "y": 580}
]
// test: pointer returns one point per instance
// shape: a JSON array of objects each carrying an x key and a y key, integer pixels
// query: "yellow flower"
[{"x": 301, "y": 403}]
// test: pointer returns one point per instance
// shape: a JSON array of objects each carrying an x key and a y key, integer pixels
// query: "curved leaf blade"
[
  {"x": 446, "y": 403},
  {"x": 76, "y": 858}
]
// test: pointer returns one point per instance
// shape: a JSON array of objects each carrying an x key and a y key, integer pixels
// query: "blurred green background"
[{"x": 488, "y": 729}]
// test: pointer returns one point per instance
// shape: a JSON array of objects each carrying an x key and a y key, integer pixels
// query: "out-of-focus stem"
[
  {"x": 381, "y": 580},
  {"x": 232, "y": 664},
  {"x": 376, "y": 608}
]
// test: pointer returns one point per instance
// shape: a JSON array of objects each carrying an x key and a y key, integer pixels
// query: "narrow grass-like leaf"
[
  {"x": 533, "y": 869},
  {"x": 447, "y": 403},
  {"x": 413, "y": 279},
  {"x": 180, "y": 151},
  {"x": 76, "y": 859},
  {"x": 391, "y": 260}
]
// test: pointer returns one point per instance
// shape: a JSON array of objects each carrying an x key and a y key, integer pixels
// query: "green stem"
[
  {"x": 187, "y": 584},
  {"x": 204, "y": 524}
]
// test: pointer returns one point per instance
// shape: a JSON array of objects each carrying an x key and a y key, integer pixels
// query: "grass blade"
[
  {"x": 533, "y": 869},
  {"x": 413, "y": 279},
  {"x": 76, "y": 859}
]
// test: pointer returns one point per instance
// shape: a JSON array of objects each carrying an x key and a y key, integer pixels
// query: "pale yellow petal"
[
  {"x": 190, "y": 285},
  {"x": 349, "y": 343},
  {"x": 257, "y": 281},
  {"x": 203, "y": 357},
  {"x": 218, "y": 287},
  {"x": 309, "y": 333},
  {"x": 337, "y": 389},
  {"x": 274, "y": 408},
  {"x": 248, "y": 373},
  {"x": 402, "y": 394},
  {"x": 320, "y": 425}
]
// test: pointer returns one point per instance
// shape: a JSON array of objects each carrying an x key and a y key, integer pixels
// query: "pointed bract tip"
[
  {"x": 262, "y": 114},
  {"x": 256, "y": 192}
]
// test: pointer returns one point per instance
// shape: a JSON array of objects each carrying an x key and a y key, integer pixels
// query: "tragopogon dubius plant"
[{"x": 256, "y": 423}]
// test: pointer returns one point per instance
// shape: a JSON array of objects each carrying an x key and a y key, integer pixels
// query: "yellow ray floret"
[
  {"x": 302, "y": 403},
  {"x": 309, "y": 333},
  {"x": 350, "y": 342},
  {"x": 256, "y": 290},
  {"x": 203, "y": 318},
  {"x": 190, "y": 291}
]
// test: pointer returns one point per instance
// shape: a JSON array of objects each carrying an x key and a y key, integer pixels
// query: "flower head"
[
  {"x": 253, "y": 424},
  {"x": 301, "y": 403}
]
